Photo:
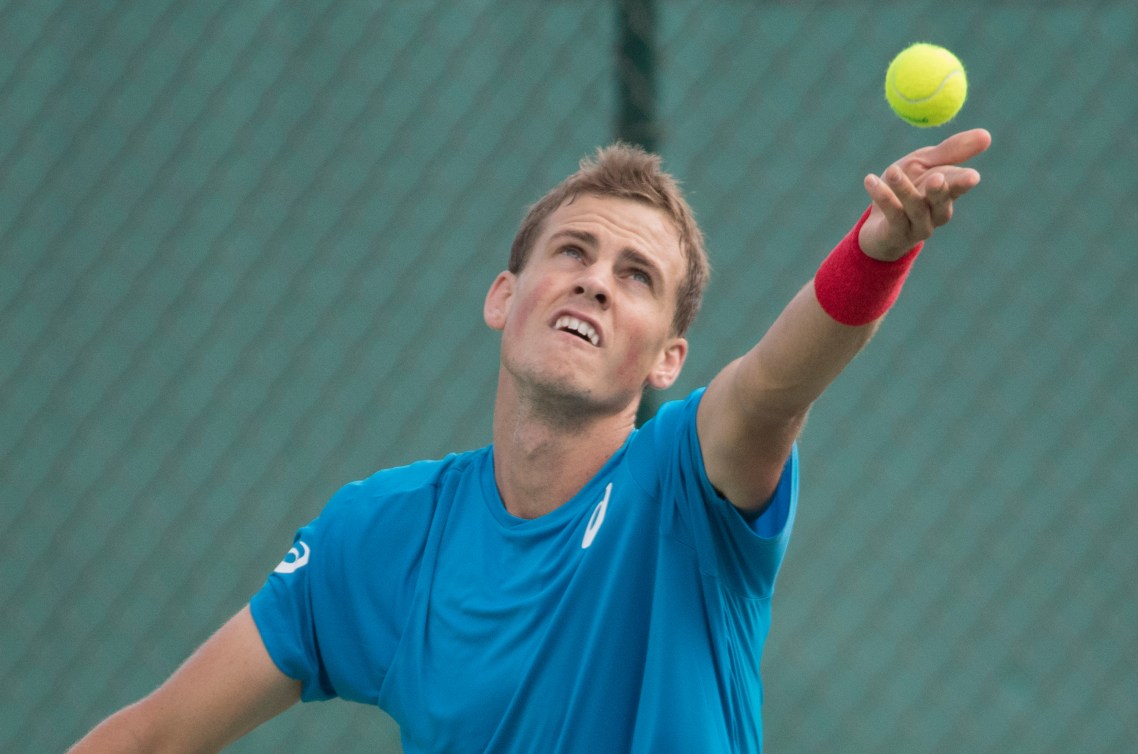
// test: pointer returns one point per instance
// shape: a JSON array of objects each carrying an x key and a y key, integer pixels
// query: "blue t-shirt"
[{"x": 630, "y": 619}]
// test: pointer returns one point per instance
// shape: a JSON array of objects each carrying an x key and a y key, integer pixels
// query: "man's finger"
[
  {"x": 961, "y": 181},
  {"x": 958, "y": 148},
  {"x": 884, "y": 199},
  {"x": 938, "y": 195},
  {"x": 912, "y": 199}
]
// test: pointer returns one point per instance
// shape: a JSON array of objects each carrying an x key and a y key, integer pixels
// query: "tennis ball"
[{"x": 926, "y": 85}]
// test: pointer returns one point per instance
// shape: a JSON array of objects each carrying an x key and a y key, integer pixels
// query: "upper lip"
[{"x": 589, "y": 323}]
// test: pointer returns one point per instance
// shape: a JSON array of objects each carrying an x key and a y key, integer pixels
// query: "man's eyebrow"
[
  {"x": 583, "y": 236},
  {"x": 642, "y": 260}
]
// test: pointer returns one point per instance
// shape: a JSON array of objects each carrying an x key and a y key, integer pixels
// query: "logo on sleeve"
[
  {"x": 596, "y": 519},
  {"x": 299, "y": 559}
]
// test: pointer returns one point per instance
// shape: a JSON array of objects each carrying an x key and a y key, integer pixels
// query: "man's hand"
[{"x": 915, "y": 194}]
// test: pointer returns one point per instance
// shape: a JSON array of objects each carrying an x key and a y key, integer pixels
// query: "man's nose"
[{"x": 593, "y": 284}]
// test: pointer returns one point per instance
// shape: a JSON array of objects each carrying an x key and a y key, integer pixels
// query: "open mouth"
[{"x": 574, "y": 326}]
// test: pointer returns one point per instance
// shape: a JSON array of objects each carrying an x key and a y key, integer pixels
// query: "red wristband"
[{"x": 856, "y": 289}]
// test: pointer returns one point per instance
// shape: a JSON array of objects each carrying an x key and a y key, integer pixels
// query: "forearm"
[
  {"x": 124, "y": 732},
  {"x": 755, "y": 408},
  {"x": 154, "y": 726},
  {"x": 798, "y": 358},
  {"x": 227, "y": 688}
]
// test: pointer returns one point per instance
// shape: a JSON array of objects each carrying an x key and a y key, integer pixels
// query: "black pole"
[
  {"x": 636, "y": 101},
  {"x": 636, "y": 73}
]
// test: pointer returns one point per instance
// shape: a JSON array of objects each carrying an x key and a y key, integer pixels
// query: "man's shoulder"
[
  {"x": 401, "y": 490},
  {"x": 680, "y": 410},
  {"x": 669, "y": 423},
  {"x": 421, "y": 474}
]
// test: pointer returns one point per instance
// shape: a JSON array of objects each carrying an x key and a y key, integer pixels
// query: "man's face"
[{"x": 587, "y": 322}]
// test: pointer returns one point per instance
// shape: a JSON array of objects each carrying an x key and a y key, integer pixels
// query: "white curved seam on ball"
[{"x": 939, "y": 89}]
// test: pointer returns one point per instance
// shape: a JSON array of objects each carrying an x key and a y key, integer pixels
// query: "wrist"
[{"x": 856, "y": 289}]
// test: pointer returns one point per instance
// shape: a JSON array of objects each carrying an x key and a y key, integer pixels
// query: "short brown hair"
[{"x": 628, "y": 172}]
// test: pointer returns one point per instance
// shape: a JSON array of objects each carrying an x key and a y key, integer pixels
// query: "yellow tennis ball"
[{"x": 926, "y": 85}]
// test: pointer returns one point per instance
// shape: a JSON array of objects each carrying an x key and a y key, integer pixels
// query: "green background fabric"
[{"x": 244, "y": 250}]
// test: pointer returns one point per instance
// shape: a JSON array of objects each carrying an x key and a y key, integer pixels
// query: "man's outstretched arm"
[
  {"x": 225, "y": 689},
  {"x": 754, "y": 408}
]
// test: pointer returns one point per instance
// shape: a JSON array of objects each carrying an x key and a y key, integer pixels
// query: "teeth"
[{"x": 579, "y": 327}]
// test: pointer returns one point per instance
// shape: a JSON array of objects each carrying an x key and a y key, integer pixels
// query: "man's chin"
[{"x": 568, "y": 399}]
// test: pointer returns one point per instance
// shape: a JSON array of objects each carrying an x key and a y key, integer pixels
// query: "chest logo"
[
  {"x": 299, "y": 557},
  {"x": 596, "y": 519}
]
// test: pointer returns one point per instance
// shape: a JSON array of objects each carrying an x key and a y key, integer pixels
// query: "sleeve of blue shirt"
[
  {"x": 744, "y": 555},
  {"x": 334, "y": 623},
  {"x": 285, "y": 614}
]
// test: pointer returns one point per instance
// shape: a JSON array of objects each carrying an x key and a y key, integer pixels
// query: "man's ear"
[
  {"x": 668, "y": 366},
  {"x": 497, "y": 304}
]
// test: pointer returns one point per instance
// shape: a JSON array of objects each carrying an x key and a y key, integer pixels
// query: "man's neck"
[{"x": 541, "y": 460}]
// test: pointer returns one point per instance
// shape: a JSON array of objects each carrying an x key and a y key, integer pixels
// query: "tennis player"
[{"x": 578, "y": 585}]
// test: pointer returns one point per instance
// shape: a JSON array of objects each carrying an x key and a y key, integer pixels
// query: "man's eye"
[
  {"x": 572, "y": 251},
  {"x": 641, "y": 276}
]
